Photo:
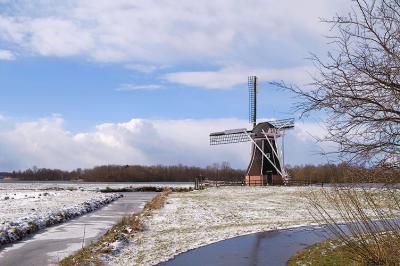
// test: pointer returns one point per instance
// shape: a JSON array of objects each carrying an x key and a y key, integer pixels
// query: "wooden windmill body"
[{"x": 266, "y": 166}]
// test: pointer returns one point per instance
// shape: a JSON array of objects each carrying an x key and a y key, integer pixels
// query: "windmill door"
[{"x": 269, "y": 177}]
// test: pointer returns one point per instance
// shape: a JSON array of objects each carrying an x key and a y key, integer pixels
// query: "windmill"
[{"x": 266, "y": 164}]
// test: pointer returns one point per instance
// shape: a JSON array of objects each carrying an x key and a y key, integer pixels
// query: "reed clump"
[{"x": 366, "y": 222}]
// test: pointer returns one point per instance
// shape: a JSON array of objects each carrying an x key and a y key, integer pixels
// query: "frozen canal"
[
  {"x": 273, "y": 248},
  {"x": 54, "y": 243}
]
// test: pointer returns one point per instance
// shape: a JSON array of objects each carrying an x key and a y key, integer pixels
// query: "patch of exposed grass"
[
  {"x": 328, "y": 253},
  {"x": 123, "y": 230},
  {"x": 338, "y": 253}
]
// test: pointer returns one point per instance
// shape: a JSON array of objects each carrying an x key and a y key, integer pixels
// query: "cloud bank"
[
  {"x": 46, "y": 143},
  {"x": 156, "y": 31},
  {"x": 226, "y": 37}
]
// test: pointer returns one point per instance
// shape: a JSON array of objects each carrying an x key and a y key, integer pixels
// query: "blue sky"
[
  {"x": 82, "y": 81},
  {"x": 88, "y": 94}
]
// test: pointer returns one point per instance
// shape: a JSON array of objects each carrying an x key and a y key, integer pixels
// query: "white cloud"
[
  {"x": 143, "y": 68},
  {"x": 311, "y": 130},
  {"x": 46, "y": 143},
  {"x": 134, "y": 87},
  {"x": 6, "y": 55},
  {"x": 13, "y": 31},
  {"x": 59, "y": 37},
  {"x": 229, "y": 77},
  {"x": 307, "y": 142},
  {"x": 164, "y": 32}
]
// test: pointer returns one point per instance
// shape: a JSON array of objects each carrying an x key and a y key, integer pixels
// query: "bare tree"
[
  {"x": 358, "y": 88},
  {"x": 358, "y": 85}
]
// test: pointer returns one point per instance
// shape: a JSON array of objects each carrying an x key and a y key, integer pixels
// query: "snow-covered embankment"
[{"x": 25, "y": 212}]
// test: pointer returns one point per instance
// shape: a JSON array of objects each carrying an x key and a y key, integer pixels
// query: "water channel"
[{"x": 49, "y": 246}]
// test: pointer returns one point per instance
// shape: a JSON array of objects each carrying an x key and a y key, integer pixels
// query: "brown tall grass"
[{"x": 364, "y": 220}]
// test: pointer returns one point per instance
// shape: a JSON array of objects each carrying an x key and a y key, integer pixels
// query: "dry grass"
[
  {"x": 371, "y": 233},
  {"x": 157, "y": 202},
  {"x": 123, "y": 230}
]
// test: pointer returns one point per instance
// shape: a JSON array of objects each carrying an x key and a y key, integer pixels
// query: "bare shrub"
[{"x": 363, "y": 220}]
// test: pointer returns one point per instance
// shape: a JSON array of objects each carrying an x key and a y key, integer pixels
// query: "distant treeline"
[
  {"x": 134, "y": 173},
  {"x": 4, "y": 174},
  {"x": 341, "y": 173},
  {"x": 325, "y": 173}
]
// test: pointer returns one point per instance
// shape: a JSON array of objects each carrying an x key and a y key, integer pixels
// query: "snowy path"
[{"x": 54, "y": 243}]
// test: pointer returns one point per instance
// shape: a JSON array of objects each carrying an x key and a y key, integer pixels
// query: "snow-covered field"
[
  {"x": 86, "y": 186},
  {"x": 197, "y": 218},
  {"x": 26, "y": 207},
  {"x": 26, "y": 211}
]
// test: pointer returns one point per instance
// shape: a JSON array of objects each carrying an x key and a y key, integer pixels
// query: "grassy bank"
[
  {"x": 327, "y": 253},
  {"x": 119, "y": 233},
  {"x": 338, "y": 253}
]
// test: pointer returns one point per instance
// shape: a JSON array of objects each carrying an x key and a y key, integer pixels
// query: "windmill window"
[{"x": 268, "y": 155}]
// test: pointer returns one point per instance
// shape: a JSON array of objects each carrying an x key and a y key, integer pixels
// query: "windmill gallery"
[{"x": 266, "y": 166}]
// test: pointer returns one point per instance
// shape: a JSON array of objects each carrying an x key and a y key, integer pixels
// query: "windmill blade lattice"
[
  {"x": 252, "y": 84},
  {"x": 229, "y": 136},
  {"x": 283, "y": 123}
]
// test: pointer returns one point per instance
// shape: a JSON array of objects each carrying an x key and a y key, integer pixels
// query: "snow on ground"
[
  {"x": 193, "y": 219},
  {"x": 86, "y": 186},
  {"x": 26, "y": 211}
]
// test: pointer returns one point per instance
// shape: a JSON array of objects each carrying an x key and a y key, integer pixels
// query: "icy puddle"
[{"x": 54, "y": 243}]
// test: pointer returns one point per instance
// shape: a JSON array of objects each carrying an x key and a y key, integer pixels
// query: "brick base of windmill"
[{"x": 262, "y": 180}]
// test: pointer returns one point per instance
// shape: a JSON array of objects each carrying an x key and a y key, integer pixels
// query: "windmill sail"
[
  {"x": 229, "y": 136},
  {"x": 283, "y": 124},
  {"x": 252, "y": 84}
]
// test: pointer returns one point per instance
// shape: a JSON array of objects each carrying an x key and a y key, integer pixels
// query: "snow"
[
  {"x": 26, "y": 211},
  {"x": 26, "y": 207},
  {"x": 193, "y": 219},
  {"x": 86, "y": 186}
]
